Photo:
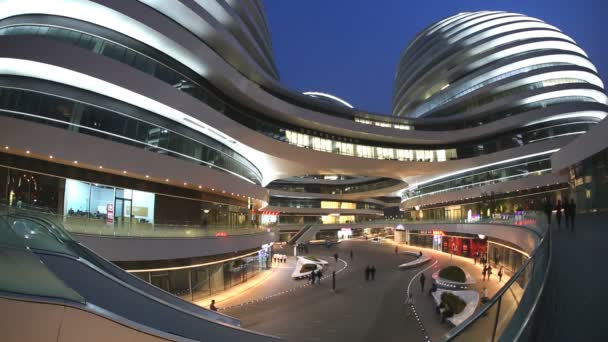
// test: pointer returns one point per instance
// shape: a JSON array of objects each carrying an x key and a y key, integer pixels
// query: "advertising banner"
[{"x": 109, "y": 213}]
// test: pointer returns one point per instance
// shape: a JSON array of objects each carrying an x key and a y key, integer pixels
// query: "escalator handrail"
[
  {"x": 144, "y": 294},
  {"x": 95, "y": 310},
  {"x": 73, "y": 243},
  {"x": 299, "y": 234},
  {"x": 189, "y": 305}
]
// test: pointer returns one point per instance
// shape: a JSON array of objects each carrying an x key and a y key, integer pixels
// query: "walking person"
[
  {"x": 368, "y": 272},
  {"x": 489, "y": 271},
  {"x": 351, "y": 254},
  {"x": 373, "y": 272},
  {"x": 336, "y": 257},
  {"x": 212, "y": 307},
  {"x": 548, "y": 211},
  {"x": 500, "y": 274},
  {"x": 572, "y": 214},
  {"x": 566, "y": 213},
  {"x": 319, "y": 276},
  {"x": 558, "y": 214},
  {"x": 312, "y": 277},
  {"x": 422, "y": 280},
  {"x": 483, "y": 272},
  {"x": 396, "y": 250}
]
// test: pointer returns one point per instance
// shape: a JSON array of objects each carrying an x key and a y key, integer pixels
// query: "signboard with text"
[{"x": 109, "y": 213}]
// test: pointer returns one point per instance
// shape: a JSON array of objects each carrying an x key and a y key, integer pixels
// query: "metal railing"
[{"x": 93, "y": 226}]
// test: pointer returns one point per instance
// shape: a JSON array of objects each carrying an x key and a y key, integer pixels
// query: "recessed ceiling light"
[
  {"x": 51, "y": 156},
  {"x": 75, "y": 161},
  {"x": 28, "y": 151},
  {"x": 124, "y": 172}
]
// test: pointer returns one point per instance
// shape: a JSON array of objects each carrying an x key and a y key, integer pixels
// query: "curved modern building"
[{"x": 125, "y": 117}]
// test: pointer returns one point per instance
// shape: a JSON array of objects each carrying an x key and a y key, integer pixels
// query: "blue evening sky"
[{"x": 350, "y": 48}]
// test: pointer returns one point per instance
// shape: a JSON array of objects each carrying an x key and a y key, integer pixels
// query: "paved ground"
[
  {"x": 576, "y": 301},
  {"x": 358, "y": 310},
  {"x": 425, "y": 304}
]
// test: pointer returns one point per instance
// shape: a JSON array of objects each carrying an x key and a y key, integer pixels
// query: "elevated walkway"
[
  {"x": 575, "y": 301},
  {"x": 72, "y": 276}
]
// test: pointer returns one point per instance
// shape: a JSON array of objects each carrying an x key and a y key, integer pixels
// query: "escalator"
[
  {"x": 99, "y": 283},
  {"x": 295, "y": 238}
]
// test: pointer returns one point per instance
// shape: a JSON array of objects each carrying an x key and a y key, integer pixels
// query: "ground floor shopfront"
[
  {"x": 498, "y": 253},
  {"x": 88, "y": 196},
  {"x": 491, "y": 206},
  {"x": 198, "y": 281}
]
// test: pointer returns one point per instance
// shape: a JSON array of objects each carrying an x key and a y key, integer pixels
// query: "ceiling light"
[
  {"x": 6, "y": 147},
  {"x": 27, "y": 152},
  {"x": 200, "y": 187},
  {"x": 166, "y": 179},
  {"x": 75, "y": 161},
  {"x": 51, "y": 157},
  {"x": 147, "y": 176},
  {"x": 124, "y": 172},
  {"x": 101, "y": 167},
  {"x": 185, "y": 183}
]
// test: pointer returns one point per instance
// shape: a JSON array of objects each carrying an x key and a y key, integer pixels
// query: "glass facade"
[
  {"x": 93, "y": 208},
  {"x": 332, "y": 188},
  {"x": 197, "y": 283},
  {"x": 518, "y": 169},
  {"x": 317, "y": 203},
  {"x": 589, "y": 183},
  {"x": 182, "y": 78},
  {"x": 107, "y": 124}
]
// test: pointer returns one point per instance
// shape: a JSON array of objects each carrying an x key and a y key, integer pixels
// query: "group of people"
[
  {"x": 567, "y": 209},
  {"x": 370, "y": 272},
  {"x": 315, "y": 277},
  {"x": 481, "y": 256},
  {"x": 302, "y": 248},
  {"x": 280, "y": 258}
]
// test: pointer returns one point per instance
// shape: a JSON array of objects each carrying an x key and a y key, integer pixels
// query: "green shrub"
[
  {"x": 453, "y": 273},
  {"x": 455, "y": 303},
  {"x": 308, "y": 268}
]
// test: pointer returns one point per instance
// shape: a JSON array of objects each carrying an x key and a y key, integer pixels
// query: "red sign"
[{"x": 109, "y": 213}]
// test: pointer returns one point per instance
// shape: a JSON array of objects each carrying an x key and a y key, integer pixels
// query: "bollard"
[{"x": 333, "y": 281}]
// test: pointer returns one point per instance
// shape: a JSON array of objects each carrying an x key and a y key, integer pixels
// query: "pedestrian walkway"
[
  {"x": 575, "y": 301},
  {"x": 358, "y": 310},
  {"x": 425, "y": 304}
]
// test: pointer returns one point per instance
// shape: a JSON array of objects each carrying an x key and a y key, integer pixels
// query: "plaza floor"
[
  {"x": 574, "y": 307},
  {"x": 358, "y": 310}
]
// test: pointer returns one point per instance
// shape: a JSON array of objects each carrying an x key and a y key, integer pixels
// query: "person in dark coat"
[
  {"x": 566, "y": 213},
  {"x": 351, "y": 254},
  {"x": 548, "y": 211},
  {"x": 367, "y": 272},
  {"x": 558, "y": 214},
  {"x": 212, "y": 307},
  {"x": 422, "y": 280},
  {"x": 572, "y": 213},
  {"x": 372, "y": 272}
]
